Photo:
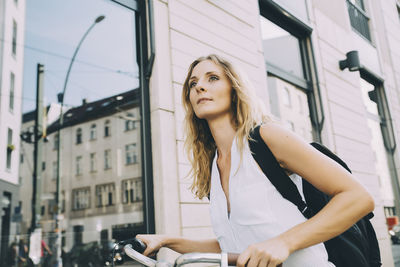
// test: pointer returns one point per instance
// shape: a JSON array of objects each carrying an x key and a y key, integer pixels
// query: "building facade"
[
  {"x": 12, "y": 24},
  {"x": 101, "y": 187},
  {"x": 291, "y": 52},
  {"x": 328, "y": 70}
]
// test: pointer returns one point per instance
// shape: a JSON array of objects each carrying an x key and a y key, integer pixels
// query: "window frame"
[
  {"x": 107, "y": 160},
  {"x": 78, "y": 135},
  {"x": 107, "y": 128},
  {"x": 132, "y": 152},
  {"x": 93, "y": 162},
  {"x": 99, "y": 192},
  {"x": 93, "y": 132},
  {"x": 78, "y": 166},
  {"x": 363, "y": 13},
  {"x": 378, "y": 95},
  {"x": 86, "y": 192},
  {"x": 284, "y": 19}
]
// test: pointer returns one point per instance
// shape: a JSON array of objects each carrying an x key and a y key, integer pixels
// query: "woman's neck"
[{"x": 223, "y": 133}]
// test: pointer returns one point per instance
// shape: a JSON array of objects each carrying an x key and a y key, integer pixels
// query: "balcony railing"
[{"x": 359, "y": 20}]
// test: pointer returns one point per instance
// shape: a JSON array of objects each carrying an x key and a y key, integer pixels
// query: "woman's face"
[{"x": 210, "y": 91}]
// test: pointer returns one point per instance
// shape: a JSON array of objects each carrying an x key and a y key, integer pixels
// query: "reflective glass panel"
[
  {"x": 93, "y": 58},
  {"x": 281, "y": 49}
]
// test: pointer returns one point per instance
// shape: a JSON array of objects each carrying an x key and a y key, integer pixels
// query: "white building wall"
[
  {"x": 185, "y": 30},
  {"x": 11, "y": 63}
]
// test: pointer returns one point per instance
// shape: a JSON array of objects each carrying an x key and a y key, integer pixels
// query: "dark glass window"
[
  {"x": 14, "y": 38},
  {"x": 93, "y": 132},
  {"x": 359, "y": 19},
  {"x": 55, "y": 143},
  {"x": 79, "y": 136},
  {"x": 130, "y": 123},
  {"x": 10, "y": 148},
  {"x": 105, "y": 195},
  {"x": 12, "y": 89},
  {"x": 107, "y": 128}
]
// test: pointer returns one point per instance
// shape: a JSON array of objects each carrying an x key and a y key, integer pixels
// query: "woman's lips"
[{"x": 202, "y": 100}]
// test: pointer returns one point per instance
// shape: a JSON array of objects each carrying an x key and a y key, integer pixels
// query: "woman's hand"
[
  {"x": 270, "y": 253},
  {"x": 153, "y": 243}
]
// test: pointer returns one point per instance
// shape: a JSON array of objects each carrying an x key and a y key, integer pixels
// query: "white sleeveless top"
[{"x": 258, "y": 211}]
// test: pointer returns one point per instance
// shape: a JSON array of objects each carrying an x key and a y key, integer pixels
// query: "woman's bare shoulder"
[{"x": 280, "y": 140}]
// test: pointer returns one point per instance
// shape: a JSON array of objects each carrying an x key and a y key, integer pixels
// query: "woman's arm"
[
  {"x": 350, "y": 201},
  {"x": 178, "y": 244}
]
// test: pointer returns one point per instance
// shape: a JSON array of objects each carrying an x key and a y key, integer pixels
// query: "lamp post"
[{"x": 60, "y": 124}]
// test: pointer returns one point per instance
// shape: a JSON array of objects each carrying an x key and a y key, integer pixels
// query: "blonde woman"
[{"x": 248, "y": 215}]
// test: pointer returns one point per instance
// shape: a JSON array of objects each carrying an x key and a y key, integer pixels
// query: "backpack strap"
[{"x": 275, "y": 173}]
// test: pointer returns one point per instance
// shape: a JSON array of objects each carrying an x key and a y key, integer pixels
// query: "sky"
[{"x": 106, "y": 61}]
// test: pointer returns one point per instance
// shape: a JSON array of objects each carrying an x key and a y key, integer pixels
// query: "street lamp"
[{"x": 60, "y": 124}]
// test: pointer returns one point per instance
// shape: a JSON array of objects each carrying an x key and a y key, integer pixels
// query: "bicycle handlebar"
[{"x": 135, "y": 247}]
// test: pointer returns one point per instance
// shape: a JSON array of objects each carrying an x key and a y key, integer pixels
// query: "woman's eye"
[
  {"x": 214, "y": 78},
  {"x": 192, "y": 84}
]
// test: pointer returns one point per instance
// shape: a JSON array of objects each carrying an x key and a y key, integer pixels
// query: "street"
[{"x": 396, "y": 255}]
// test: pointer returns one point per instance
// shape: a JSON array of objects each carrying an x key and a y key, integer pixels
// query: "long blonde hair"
[{"x": 247, "y": 112}]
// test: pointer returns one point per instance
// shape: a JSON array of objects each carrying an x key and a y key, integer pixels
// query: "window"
[
  {"x": 93, "y": 132},
  {"x": 131, "y": 191},
  {"x": 55, "y": 144},
  {"x": 14, "y": 38},
  {"x": 93, "y": 162},
  {"x": 52, "y": 206},
  {"x": 107, "y": 128},
  {"x": 12, "y": 89},
  {"x": 43, "y": 166},
  {"x": 78, "y": 165},
  {"x": 105, "y": 195},
  {"x": 10, "y": 148},
  {"x": 78, "y": 234},
  {"x": 358, "y": 18},
  {"x": 398, "y": 9},
  {"x": 288, "y": 73},
  {"x": 286, "y": 97},
  {"x": 107, "y": 159},
  {"x": 130, "y": 123},
  {"x": 79, "y": 136},
  {"x": 130, "y": 154},
  {"x": 21, "y": 158},
  {"x": 55, "y": 170},
  {"x": 81, "y": 198},
  {"x": 376, "y": 143}
]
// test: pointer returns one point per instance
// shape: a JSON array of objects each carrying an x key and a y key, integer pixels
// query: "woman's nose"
[{"x": 200, "y": 87}]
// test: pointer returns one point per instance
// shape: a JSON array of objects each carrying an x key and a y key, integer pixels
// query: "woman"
[{"x": 248, "y": 215}]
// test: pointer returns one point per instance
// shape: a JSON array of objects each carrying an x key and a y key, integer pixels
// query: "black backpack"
[{"x": 358, "y": 246}]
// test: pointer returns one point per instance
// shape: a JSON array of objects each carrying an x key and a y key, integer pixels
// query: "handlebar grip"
[
  {"x": 233, "y": 257},
  {"x": 136, "y": 244}
]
